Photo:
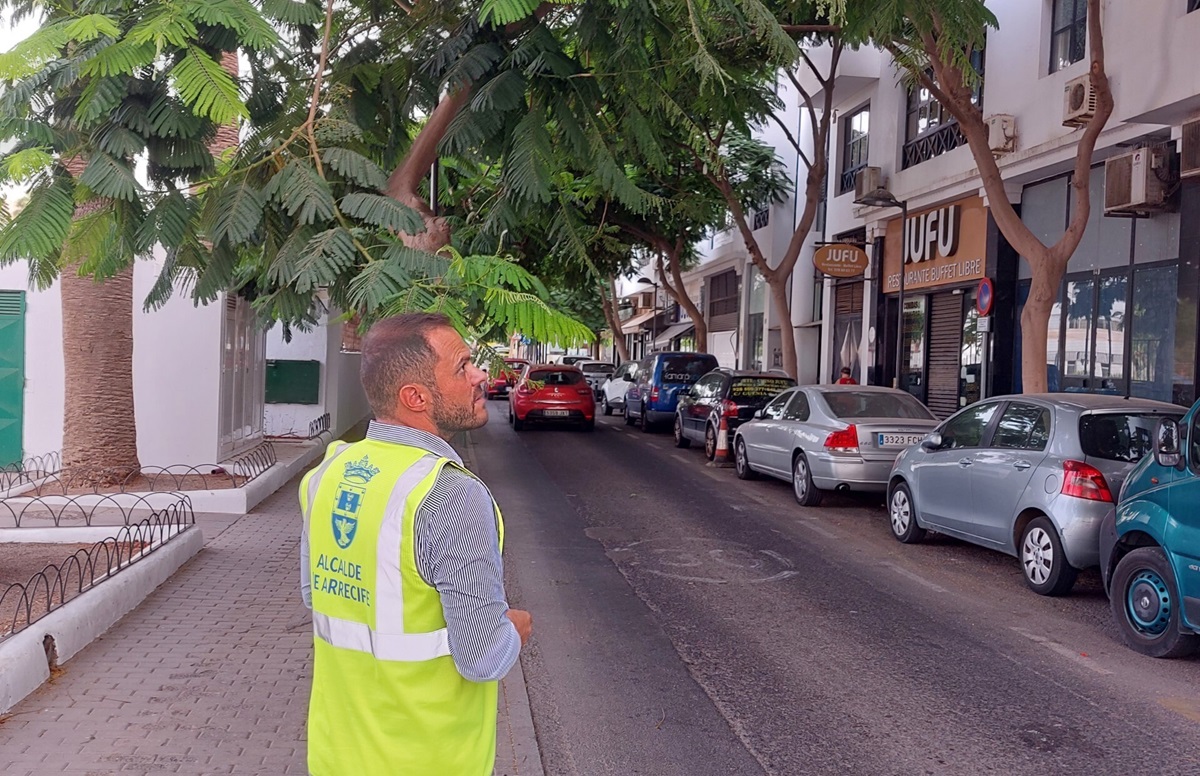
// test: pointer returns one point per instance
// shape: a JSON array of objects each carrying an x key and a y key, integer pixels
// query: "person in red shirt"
[{"x": 846, "y": 379}]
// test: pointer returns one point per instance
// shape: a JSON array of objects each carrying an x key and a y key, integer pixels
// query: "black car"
[{"x": 723, "y": 394}]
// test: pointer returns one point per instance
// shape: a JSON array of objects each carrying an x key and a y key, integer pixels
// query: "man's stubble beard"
[{"x": 451, "y": 419}]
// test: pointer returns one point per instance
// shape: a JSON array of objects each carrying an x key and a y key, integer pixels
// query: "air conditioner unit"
[
  {"x": 867, "y": 180},
  {"x": 1189, "y": 150},
  {"x": 1002, "y": 134},
  {"x": 1134, "y": 182},
  {"x": 1079, "y": 102}
]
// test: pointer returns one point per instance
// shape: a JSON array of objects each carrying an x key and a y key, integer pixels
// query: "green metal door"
[{"x": 12, "y": 374}]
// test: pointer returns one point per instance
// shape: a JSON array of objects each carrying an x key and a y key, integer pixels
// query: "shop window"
[
  {"x": 243, "y": 377},
  {"x": 1068, "y": 33},
  {"x": 1152, "y": 325},
  {"x": 855, "y": 129},
  {"x": 914, "y": 344},
  {"x": 970, "y": 374}
]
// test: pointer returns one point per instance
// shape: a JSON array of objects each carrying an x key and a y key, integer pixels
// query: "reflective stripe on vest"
[{"x": 388, "y": 641}]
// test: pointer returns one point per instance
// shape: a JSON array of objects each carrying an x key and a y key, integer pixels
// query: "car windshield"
[
  {"x": 1119, "y": 436},
  {"x": 597, "y": 368},
  {"x": 875, "y": 404},
  {"x": 686, "y": 369},
  {"x": 556, "y": 377},
  {"x": 757, "y": 391}
]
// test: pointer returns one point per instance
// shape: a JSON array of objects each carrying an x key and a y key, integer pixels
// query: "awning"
[
  {"x": 634, "y": 324},
  {"x": 671, "y": 332}
]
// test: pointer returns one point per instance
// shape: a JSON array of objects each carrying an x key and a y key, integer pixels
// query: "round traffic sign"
[{"x": 985, "y": 296}]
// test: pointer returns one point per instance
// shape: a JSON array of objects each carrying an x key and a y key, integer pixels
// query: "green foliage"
[
  {"x": 206, "y": 88},
  {"x": 383, "y": 212},
  {"x": 38, "y": 232},
  {"x": 26, "y": 164}
]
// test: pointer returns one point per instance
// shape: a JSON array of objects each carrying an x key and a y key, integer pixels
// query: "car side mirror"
[
  {"x": 1166, "y": 443},
  {"x": 932, "y": 442},
  {"x": 758, "y": 414}
]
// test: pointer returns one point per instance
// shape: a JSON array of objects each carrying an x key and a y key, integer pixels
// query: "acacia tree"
[{"x": 934, "y": 43}]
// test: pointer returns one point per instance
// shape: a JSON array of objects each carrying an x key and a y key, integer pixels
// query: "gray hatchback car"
[{"x": 1031, "y": 475}]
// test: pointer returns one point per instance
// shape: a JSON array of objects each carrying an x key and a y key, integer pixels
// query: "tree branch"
[{"x": 787, "y": 132}]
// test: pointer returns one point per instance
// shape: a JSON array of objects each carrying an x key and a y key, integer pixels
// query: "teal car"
[{"x": 1150, "y": 545}]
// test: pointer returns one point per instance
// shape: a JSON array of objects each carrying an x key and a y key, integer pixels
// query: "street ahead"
[{"x": 686, "y": 622}]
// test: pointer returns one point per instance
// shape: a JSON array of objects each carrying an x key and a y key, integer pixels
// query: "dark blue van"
[{"x": 660, "y": 378}]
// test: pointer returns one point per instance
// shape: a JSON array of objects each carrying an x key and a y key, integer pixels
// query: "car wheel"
[
  {"x": 1145, "y": 602},
  {"x": 518, "y": 424},
  {"x": 807, "y": 494},
  {"x": 644, "y": 421},
  {"x": 1043, "y": 560},
  {"x": 741, "y": 461},
  {"x": 680, "y": 439},
  {"x": 628, "y": 418},
  {"x": 607, "y": 407},
  {"x": 904, "y": 516},
  {"x": 510, "y": 415},
  {"x": 710, "y": 442}
]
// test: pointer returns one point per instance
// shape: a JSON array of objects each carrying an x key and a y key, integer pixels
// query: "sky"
[{"x": 11, "y": 35}]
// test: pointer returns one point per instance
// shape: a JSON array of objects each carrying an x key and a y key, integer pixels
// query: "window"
[
  {"x": 855, "y": 128},
  {"x": 724, "y": 300},
  {"x": 1118, "y": 436},
  {"x": 930, "y": 130},
  {"x": 967, "y": 429},
  {"x": 1193, "y": 5},
  {"x": 1023, "y": 427},
  {"x": 855, "y": 405},
  {"x": 774, "y": 410},
  {"x": 707, "y": 387},
  {"x": 798, "y": 408},
  {"x": 1068, "y": 33},
  {"x": 243, "y": 378}
]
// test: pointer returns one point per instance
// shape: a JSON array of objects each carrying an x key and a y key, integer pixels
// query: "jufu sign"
[
  {"x": 841, "y": 260},
  {"x": 941, "y": 246}
]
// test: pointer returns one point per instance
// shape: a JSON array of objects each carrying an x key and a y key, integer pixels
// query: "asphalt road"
[{"x": 690, "y": 623}]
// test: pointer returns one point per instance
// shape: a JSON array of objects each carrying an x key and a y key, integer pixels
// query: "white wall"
[
  {"x": 346, "y": 402},
  {"x": 176, "y": 376},
  {"x": 293, "y": 419}
]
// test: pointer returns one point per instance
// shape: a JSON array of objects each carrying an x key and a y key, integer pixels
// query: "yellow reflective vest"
[{"x": 386, "y": 696}]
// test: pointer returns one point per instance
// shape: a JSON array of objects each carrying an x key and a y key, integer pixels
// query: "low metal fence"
[
  {"x": 319, "y": 426},
  {"x": 21, "y": 605},
  {"x": 92, "y": 480},
  {"x": 28, "y": 471},
  {"x": 83, "y": 509}
]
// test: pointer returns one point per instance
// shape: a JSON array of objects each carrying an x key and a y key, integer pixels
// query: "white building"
[
  {"x": 1127, "y": 321},
  {"x": 200, "y": 376}
]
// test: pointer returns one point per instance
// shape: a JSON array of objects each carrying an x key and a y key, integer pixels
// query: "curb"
[
  {"x": 23, "y": 662},
  {"x": 517, "y": 751}
]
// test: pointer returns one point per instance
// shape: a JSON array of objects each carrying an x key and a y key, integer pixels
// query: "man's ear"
[{"x": 414, "y": 398}]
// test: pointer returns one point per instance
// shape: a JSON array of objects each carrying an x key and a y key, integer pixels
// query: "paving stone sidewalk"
[{"x": 209, "y": 675}]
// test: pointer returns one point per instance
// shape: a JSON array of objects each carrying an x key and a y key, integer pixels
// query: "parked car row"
[{"x": 1062, "y": 482}]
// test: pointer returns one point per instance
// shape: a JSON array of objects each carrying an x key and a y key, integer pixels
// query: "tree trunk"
[
  {"x": 1047, "y": 275},
  {"x": 675, "y": 289},
  {"x": 608, "y": 298}
]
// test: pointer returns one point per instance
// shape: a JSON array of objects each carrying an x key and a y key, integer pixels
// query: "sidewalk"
[{"x": 209, "y": 675}]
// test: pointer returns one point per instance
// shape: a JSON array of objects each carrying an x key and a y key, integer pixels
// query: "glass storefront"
[
  {"x": 1113, "y": 327},
  {"x": 913, "y": 357},
  {"x": 757, "y": 305}
]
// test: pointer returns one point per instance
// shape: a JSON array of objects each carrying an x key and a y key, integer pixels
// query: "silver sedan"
[
  {"x": 1032, "y": 475},
  {"x": 831, "y": 437}
]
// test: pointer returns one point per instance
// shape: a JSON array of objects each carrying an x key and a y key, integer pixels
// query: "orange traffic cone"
[{"x": 722, "y": 452}]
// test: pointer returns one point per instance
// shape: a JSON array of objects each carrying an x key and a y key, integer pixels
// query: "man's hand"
[{"x": 523, "y": 621}]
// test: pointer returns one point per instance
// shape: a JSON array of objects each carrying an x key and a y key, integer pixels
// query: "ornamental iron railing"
[
  {"x": 945, "y": 138},
  {"x": 27, "y": 471},
  {"x": 21, "y": 605}
]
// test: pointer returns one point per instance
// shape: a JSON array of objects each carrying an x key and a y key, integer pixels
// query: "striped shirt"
[{"x": 456, "y": 548}]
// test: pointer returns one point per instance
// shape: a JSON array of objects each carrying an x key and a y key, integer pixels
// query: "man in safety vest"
[{"x": 400, "y": 563}]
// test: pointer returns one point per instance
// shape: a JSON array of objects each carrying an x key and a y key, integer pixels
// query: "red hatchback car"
[
  {"x": 498, "y": 384},
  {"x": 552, "y": 393}
]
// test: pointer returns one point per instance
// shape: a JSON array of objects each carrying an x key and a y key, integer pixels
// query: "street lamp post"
[
  {"x": 654, "y": 309},
  {"x": 881, "y": 197}
]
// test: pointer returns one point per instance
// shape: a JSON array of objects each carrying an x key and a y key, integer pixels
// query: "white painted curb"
[{"x": 81, "y": 620}]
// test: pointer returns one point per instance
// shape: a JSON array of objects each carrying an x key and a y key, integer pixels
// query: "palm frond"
[
  {"x": 206, "y": 88},
  {"x": 383, "y": 212}
]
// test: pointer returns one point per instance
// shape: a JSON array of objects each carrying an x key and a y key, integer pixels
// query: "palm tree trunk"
[{"x": 99, "y": 423}]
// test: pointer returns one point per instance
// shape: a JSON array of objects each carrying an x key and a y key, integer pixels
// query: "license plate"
[
  {"x": 557, "y": 413},
  {"x": 899, "y": 440}
]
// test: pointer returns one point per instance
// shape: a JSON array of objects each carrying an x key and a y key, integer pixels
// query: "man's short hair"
[
  {"x": 396, "y": 352},
  {"x": 845, "y": 370}
]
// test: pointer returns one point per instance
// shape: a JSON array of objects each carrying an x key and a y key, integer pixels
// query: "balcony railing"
[
  {"x": 945, "y": 138},
  {"x": 761, "y": 218},
  {"x": 847, "y": 181}
]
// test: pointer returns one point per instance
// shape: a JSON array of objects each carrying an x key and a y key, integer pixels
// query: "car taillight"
[
  {"x": 1083, "y": 481},
  {"x": 654, "y": 393},
  {"x": 844, "y": 441},
  {"x": 584, "y": 391},
  {"x": 729, "y": 409}
]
